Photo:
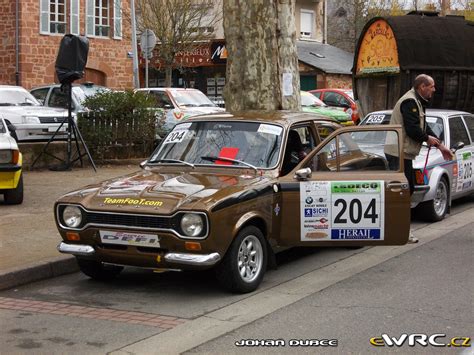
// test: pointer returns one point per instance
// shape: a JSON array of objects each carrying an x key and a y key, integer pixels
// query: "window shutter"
[
  {"x": 75, "y": 5},
  {"x": 90, "y": 17},
  {"x": 44, "y": 16},
  {"x": 118, "y": 19}
]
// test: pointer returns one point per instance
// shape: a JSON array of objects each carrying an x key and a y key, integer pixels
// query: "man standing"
[{"x": 409, "y": 112}]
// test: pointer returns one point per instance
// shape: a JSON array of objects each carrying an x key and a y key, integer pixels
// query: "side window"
[
  {"x": 299, "y": 143},
  {"x": 330, "y": 98},
  {"x": 40, "y": 94},
  {"x": 317, "y": 94},
  {"x": 162, "y": 100},
  {"x": 359, "y": 151},
  {"x": 470, "y": 126},
  {"x": 324, "y": 130},
  {"x": 57, "y": 98},
  {"x": 457, "y": 131}
]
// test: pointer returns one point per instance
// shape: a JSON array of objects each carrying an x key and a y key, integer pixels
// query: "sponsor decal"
[
  {"x": 355, "y": 234},
  {"x": 132, "y": 201},
  {"x": 316, "y": 212},
  {"x": 283, "y": 342},
  {"x": 355, "y": 187}
]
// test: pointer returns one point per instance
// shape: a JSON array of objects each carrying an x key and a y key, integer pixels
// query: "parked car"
[
  {"x": 343, "y": 98},
  {"x": 32, "y": 120},
  {"x": 310, "y": 103},
  {"x": 180, "y": 104},
  {"x": 11, "y": 178},
  {"x": 53, "y": 96},
  {"x": 228, "y": 191},
  {"x": 445, "y": 180}
]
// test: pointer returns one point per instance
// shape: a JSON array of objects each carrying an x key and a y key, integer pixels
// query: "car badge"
[{"x": 277, "y": 209}]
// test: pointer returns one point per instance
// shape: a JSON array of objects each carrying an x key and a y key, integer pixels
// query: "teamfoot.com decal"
[
  {"x": 291, "y": 342},
  {"x": 438, "y": 340}
]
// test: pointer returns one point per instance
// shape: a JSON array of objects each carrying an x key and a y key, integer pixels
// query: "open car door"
[{"x": 346, "y": 193}]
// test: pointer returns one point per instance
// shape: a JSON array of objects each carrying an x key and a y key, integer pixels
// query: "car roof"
[
  {"x": 429, "y": 111},
  {"x": 284, "y": 118},
  {"x": 12, "y": 87},
  {"x": 164, "y": 89},
  {"x": 87, "y": 84},
  {"x": 330, "y": 89}
]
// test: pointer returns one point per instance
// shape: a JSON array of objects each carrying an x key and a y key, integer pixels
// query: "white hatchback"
[{"x": 438, "y": 182}]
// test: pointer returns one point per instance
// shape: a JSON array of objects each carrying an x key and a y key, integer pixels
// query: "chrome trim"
[
  {"x": 193, "y": 259},
  {"x": 76, "y": 249},
  {"x": 117, "y": 226}
]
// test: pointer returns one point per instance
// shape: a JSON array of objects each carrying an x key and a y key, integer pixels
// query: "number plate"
[
  {"x": 342, "y": 210},
  {"x": 127, "y": 238}
]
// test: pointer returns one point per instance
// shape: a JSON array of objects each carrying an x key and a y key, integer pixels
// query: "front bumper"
[
  {"x": 175, "y": 258},
  {"x": 419, "y": 193}
]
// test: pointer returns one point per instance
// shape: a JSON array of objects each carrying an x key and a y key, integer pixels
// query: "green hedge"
[{"x": 120, "y": 125}]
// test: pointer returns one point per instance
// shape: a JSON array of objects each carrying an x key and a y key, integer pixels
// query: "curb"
[{"x": 37, "y": 271}]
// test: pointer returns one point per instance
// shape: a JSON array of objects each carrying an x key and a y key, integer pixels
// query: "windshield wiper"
[
  {"x": 189, "y": 105},
  {"x": 214, "y": 158},
  {"x": 170, "y": 161},
  {"x": 206, "y": 105},
  {"x": 26, "y": 104},
  {"x": 7, "y": 104}
]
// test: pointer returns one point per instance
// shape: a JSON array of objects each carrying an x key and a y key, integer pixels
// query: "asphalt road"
[{"x": 333, "y": 293}]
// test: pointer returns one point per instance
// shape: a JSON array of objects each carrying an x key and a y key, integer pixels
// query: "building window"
[
  {"x": 307, "y": 23},
  {"x": 53, "y": 16},
  {"x": 101, "y": 21}
]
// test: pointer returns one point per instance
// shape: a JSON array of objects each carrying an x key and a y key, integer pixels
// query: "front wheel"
[
  {"x": 97, "y": 270},
  {"x": 436, "y": 209},
  {"x": 245, "y": 262},
  {"x": 14, "y": 196}
]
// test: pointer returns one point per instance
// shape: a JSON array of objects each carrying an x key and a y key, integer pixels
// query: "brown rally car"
[{"x": 228, "y": 191}]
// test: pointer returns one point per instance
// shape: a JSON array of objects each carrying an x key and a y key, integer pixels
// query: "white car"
[
  {"x": 180, "y": 104},
  {"x": 443, "y": 181},
  {"x": 33, "y": 121},
  {"x": 11, "y": 178}
]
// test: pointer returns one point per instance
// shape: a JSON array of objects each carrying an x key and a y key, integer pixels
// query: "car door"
[
  {"x": 458, "y": 132},
  {"x": 344, "y": 193}
]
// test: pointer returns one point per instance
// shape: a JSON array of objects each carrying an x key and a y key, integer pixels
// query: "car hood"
[
  {"x": 14, "y": 113},
  {"x": 164, "y": 193}
]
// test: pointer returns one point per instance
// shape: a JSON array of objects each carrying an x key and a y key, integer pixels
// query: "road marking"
[{"x": 258, "y": 305}]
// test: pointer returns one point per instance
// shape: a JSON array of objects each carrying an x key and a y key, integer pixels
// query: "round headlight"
[
  {"x": 72, "y": 216},
  {"x": 192, "y": 224}
]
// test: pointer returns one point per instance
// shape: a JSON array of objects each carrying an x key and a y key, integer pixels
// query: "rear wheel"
[
  {"x": 436, "y": 209},
  {"x": 14, "y": 196},
  {"x": 97, "y": 270},
  {"x": 245, "y": 262}
]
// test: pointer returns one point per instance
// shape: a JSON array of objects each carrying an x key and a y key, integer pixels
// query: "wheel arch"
[{"x": 438, "y": 174}]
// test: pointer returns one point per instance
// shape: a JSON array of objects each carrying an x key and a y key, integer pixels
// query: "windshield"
[
  {"x": 83, "y": 92},
  {"x": 308, "y": 99},
  {"x": 17, "y": 98},
  {"x": 191, "y": 98},
  {"x": 243, "y": 144}
]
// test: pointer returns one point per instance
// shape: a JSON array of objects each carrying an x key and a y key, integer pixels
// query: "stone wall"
[{"x": 7, "y": 42}]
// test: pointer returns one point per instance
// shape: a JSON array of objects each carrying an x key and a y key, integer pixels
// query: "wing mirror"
[
  {"x": 303, "y": 174},
  {"x": 457, "y": 146},
  {"x": 143, "y": 164}
]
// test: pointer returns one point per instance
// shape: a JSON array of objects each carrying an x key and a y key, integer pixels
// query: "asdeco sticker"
[
  {"x": 342, "y": 210},
  {"x": 132, "y": 201}
]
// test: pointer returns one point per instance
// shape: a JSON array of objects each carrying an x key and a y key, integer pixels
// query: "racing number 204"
[
  {"x": 467, "y": 170},
  {"x": 353, "y": 210}
]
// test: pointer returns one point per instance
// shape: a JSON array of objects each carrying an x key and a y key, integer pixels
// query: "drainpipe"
[
  {"x": 17, "y": 43},
  {"x": 325, "y": 35}
]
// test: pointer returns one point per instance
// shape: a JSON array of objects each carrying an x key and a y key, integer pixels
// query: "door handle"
[{"x": 397, "y": 186}]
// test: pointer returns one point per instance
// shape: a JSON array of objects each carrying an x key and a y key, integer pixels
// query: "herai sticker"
[
  {"x": 270, "y": 129},
  {"x": 352, "y": 210}
]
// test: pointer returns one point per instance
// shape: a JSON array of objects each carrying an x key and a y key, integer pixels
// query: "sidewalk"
[{"x": 28, "y": 234}]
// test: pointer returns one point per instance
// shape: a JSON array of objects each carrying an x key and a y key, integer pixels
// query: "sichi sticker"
[{"x": 342, "y": 210}]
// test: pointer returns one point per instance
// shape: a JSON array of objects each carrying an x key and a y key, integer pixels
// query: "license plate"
[
  {"x": 53, "y": 129},
  {"x": 127, "y": 238}
]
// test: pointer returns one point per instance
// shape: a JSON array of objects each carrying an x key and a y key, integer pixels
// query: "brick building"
[{"x": 31, "y": 31}]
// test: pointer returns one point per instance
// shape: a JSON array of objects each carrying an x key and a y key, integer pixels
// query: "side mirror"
[
  {"x": 11, "y": 127},
  {"x": 143, "y": 164},
  {"x": 458, "y": 145},
  {"x": 303, "y": 174},
  {"x": 167, "y": 106}
]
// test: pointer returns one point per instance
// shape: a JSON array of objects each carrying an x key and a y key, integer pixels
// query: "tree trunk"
[
  {"x": 262, "y": 63},
  {"x": 168, "y": 75}
]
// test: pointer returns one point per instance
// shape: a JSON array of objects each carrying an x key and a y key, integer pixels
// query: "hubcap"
[
  {"x": 250, "y": 258},
  {"x": 441, "y": 199}
]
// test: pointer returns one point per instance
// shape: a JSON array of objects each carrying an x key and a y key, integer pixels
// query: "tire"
[
  {"x": 436, "y": 209},
  {"x": 14, "y": 196},
  {"x": 242, "y": 269},
  {"x": 97, "y": 270}
]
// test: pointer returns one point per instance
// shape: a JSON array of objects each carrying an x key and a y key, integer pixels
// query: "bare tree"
[
  {"x": 262, "y": 63},
  {"x": 179, "y": 25}
]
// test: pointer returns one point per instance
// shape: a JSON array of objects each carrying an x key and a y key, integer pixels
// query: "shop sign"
[
  {"x": 218, "y": 53},
  {"x": 198, "y": 57},
  {"x": 378, "y": 51}
]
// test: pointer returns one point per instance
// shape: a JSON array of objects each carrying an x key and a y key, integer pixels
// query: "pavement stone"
[{"x": 28, "y": 233}]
